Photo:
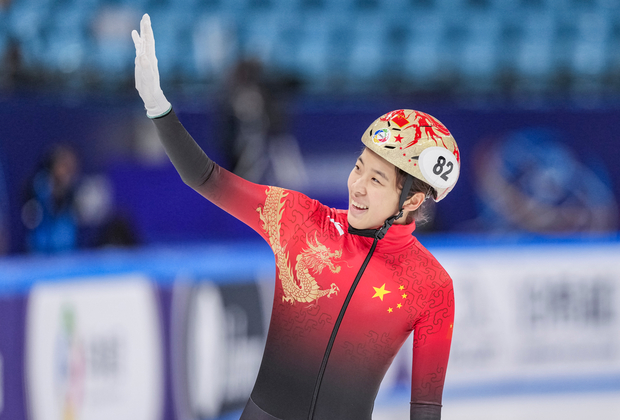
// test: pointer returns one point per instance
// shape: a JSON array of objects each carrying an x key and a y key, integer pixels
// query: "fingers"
[
  {"x": 145, "y": 24},
  {"x": 145, "y": 40},
  {"x": 137, "y": 42},
  {"x": 146, "y": 31}
]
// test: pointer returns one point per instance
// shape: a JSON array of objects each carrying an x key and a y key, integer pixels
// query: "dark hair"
[{"x": 419, "y": 214}]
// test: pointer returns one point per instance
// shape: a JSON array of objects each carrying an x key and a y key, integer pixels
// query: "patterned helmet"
[{"x": 418, "y": 144}]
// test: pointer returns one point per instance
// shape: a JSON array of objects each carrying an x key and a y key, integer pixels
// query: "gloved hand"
[{"x": 147, "y": 74}]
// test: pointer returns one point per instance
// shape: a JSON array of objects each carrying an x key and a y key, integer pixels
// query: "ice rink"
[
  {"x": 600, "y": 405},
  {"x": 565, "y": 406}
]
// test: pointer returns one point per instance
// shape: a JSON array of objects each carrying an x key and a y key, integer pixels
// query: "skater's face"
[{"x": 373, "y": 193}]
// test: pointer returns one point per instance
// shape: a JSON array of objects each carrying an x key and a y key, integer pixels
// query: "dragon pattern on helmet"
[{"x": 419, "y": 144}]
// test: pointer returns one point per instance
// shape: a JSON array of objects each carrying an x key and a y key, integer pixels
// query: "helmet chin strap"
[{"x": 380, "y": 233}]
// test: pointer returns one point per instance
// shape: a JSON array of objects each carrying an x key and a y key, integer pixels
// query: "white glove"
[{"x": 147, "y": 74}]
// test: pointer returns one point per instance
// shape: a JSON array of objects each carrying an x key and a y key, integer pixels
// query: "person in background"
[
  {"x": 49, "y": 212},
  {"x": 254, "y": 125}
]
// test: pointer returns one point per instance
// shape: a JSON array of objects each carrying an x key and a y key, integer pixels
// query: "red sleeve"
[
  {"x": 246, "y": 201},
  {"x": 236, "y": 196},
  {"x": 431, "y": 346}
]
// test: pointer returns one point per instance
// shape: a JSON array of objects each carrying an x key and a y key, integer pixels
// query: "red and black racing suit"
[{"x": 403, "y": 290}]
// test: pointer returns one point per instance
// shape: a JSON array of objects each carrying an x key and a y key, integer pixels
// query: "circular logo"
[
  {"x": 381, "y": 136},
  {"x": 439, "y": 166}
]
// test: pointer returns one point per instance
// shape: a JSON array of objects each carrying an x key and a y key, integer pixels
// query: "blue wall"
[{"x": 163, "y": 209}]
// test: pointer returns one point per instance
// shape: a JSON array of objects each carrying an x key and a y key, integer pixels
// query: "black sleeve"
[
  {"x": 190, "y": 161},
  {"x": 425, "y": 411}
]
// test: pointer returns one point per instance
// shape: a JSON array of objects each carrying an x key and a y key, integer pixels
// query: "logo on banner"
[
  {"x": 70, "y": 366},
  {"x": 79, "y": 361}
]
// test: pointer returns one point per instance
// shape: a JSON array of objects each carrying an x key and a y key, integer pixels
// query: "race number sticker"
[{"x": 439, "y": 166}]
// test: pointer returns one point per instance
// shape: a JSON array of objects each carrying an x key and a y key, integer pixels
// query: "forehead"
[{"x": 371, "y": 158}]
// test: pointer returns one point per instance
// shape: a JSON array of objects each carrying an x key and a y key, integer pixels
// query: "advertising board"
[
  {"x": 225, "y": 340},
  {"x": 1, "y": 385},
  {"x": 93, "y": 350}
]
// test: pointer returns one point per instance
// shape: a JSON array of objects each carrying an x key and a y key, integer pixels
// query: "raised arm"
[
  {"x": 188, "y": 158},
  {"x": 233, "y": 194}
]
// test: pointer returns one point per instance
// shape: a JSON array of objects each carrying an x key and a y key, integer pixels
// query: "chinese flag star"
[
  {"x": 380, "y": 292},
  {"x": 400, "y": 120}
]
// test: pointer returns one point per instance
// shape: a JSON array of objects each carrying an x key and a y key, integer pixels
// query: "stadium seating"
[{"x": 353, "y": 45}]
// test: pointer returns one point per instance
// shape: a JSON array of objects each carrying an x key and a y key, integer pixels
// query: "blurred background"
[{"x": 114, "y": 274}]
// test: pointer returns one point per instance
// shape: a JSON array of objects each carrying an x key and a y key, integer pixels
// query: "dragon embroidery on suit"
[{"x": 301, "y": 287}]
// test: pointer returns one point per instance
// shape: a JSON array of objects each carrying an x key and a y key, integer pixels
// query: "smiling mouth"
[{"x": 358, "y": 206}]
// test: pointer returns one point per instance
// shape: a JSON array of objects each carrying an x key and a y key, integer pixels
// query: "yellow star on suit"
[{"x": 380, "y": 292}]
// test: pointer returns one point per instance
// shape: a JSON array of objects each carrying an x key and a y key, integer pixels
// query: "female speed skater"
[{"x": 351, "y": 285}]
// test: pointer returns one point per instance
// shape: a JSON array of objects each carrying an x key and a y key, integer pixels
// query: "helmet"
[{"x": 418, "y": 144}]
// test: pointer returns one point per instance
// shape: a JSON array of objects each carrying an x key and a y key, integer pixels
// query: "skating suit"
[{"x": 403, "y": 290}]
